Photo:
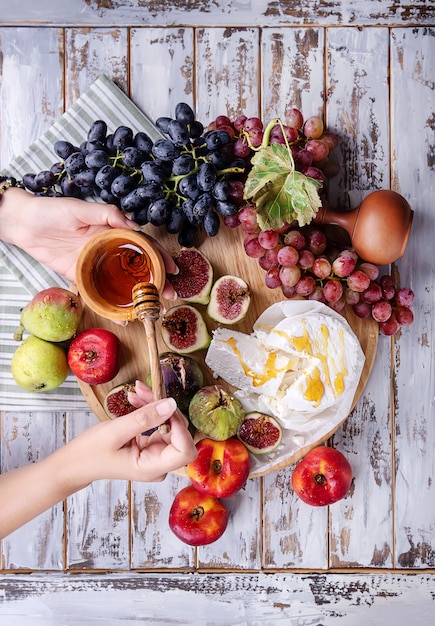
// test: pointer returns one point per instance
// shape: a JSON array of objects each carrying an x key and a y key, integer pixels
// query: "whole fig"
[
  {"x": 182, "y": 376},
  {"x": 216, "y": 413},
  {"x": 53, "y": 314}
]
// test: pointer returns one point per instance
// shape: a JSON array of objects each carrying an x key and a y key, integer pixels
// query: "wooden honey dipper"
[{"x": 146, "y": 304}]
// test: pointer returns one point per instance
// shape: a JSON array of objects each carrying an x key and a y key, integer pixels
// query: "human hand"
[
  {"x": 53, "y": 230},
  {"x": 115, "y": 449}
]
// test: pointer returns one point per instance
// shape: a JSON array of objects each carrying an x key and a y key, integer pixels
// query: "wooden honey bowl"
[{"x": 110, "y": 265}]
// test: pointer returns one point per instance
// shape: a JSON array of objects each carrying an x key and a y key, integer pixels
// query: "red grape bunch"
[{"x": 302, "y": 263}]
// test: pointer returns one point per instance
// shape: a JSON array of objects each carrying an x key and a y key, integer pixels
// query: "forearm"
[
  {"x": 13, "y": 205},
  {"x": 28, "y": 491}
]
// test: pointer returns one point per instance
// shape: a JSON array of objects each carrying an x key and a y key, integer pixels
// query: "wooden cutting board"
[{"x": 227, "y": 255}]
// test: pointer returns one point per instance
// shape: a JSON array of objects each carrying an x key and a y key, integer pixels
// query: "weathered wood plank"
[
  {"x": 97, "y": 518},
  {"x": 227, "y": 72},
  {"x": 31, "y": 86},
  {"x": 154, "y": 546},
  {"x": 161, "y": 69},
  {"x": 219, "y": 13},
  {"x": 292, "y": 74},
  {"x": 413, "y": 174},
  {"x": 27, "y": 438},
  {"x": 357, "y": 108},
  {"x": 293, "y": 70},
  {"x": 92, "y": 52},
  {"x": 248, "y": 600}
]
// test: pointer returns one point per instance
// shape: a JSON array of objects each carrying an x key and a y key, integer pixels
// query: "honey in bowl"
[
  {"x": 110, "y": 265},
  {"x": 118, "y": 270}
]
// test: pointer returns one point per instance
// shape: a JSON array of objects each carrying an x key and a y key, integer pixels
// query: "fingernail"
[{"x": 166, "y": 407}]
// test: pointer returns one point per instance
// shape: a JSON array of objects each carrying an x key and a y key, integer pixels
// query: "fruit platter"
[{"x": 235, "y": 204}]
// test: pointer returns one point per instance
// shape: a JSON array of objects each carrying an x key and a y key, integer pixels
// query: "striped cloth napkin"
[{"x": 20, "y": 275}]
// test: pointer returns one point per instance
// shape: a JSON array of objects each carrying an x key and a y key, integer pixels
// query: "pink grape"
[
  {"x": 306, "y": 259},
  {"x": 317, "y": 148},
  {"x": 371, "y": 270},
  {"x": 302, "y": 159},
  {"x": 338, "y": 305},
  {"x": 288, "y": 292},
  {"x": 404, "y": 315},
  {"x": 305, "y": 286},
  {"x": 372, "y": 294},
  {"x": 252, "y": 123},
  {"x": 329, "y": 167},
  {"x": 351, "y": 297},
  {"x": 222, "y": 120},
  {"x": 268, "y": 239},
  {"x": 269, "y": 259},
  {"x": 294, "y": 118},
  {"x": 253, "y": 247},
  {"x": 344, "y": 264},
  {"x": 231, "y": 221},
  {"x": 272, "y": 278},
  {"x": 317, "y": 295},
  {"x": 248, "y": 219},
  {"x": 241, "y": 148},
  {"x": 405, "y": 296},
  {"x": 321, "y": 267},
  {"x": 288, "y": 256},
  {"x": 387, "y": 284},
  {"x": 289, "y": 276},
  {"x": 390, "y": 327},
  {"x": 358, "y": 281},
  {"x": 295, "y": 238},
  {"x": 363, "y": 309},
  {"x": 278, "y": 136},
  {"x": 381, "y": 311},
  {"x": 236, "y": 191},
  {"x": 239, "y": 122},
  {"x": 314, "y": 172},
  {"x": 332, "y": 291},
  {"x": 256, "y": 137},
  {"x": 313, "y": 127},
  {"x": 330, "y": 139},
  {"x": 316, "y": 241}
]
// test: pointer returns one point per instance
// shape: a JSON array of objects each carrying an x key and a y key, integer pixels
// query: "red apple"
[
  {"x": 322, "y": 477},
  {"x": 94, "y": 356},
  {"x": 196, "y": 518},
  {"x": 221, "y": 467}
]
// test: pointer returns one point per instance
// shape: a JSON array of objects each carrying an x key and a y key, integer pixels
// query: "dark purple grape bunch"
[{"x": 185, "y": 181}]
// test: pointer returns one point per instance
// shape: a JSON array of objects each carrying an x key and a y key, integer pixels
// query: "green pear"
[
  {"x": 53, "y": 314},
  {"x": 39, "y": 365}
]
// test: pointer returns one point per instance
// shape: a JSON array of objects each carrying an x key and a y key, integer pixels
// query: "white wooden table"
[{"x": 106, "y": 555}]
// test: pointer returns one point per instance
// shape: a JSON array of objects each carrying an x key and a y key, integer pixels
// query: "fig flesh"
[
  {"x": 230, "y": 298},
  {"x": 260, "y": 433},
  {"x": 216, "y": 413},
  {"x": 116, "y": 401},
  {"x": 184, "y": 329},
  {"x": 194, "y": 280},
  {"x": 182, "y": 377}
]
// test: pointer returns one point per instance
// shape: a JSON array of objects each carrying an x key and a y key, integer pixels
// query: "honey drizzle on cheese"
[
  {"x": 270, "y": 370},
  {"x": 315, "y": 389}
]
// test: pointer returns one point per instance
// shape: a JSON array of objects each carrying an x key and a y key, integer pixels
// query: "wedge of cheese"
[{"x": 301, "y": 359}]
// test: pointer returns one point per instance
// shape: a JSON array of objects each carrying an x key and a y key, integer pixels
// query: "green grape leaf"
[{"x": 280, "y": 193}]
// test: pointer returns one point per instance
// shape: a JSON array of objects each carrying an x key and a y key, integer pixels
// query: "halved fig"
[
  {"x": 184, "y": 329},
  {"x": 260, "y": 433},
  {"x": 116, "y": 401},
  {"x": 230, "y": 298},
  {"x": 195, "y": 278}
]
